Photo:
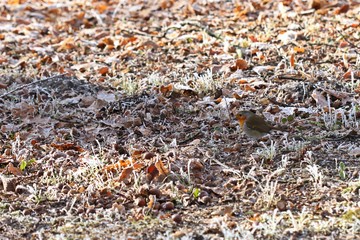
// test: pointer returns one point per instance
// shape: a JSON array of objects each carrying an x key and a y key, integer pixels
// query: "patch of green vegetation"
[
  {"x": 26, "y": 163},
  {"x": 342, "y": 168},
  {"x": 196, "y": 193},
  {"x": 352, "y": 215},
  {"x": 287, "y": 119}
]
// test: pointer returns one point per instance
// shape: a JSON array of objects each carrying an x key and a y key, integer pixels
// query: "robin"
[{"x": 253, "y": 125}]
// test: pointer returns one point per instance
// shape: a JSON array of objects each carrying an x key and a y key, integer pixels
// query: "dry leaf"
[
  {"x": 138, "y": 166},
  {"x": 152, "y": 171},
  {"x": 319, "y": 98},
  {"x": 239, "y": 64},
  {"x": 117, "y": 166},
  {"x": 343, "y": 44},
  {"x": 261, "y": 69},
  {"x": 101, "y": 7},
  {"x": 8, "y": 183},
  {"x": 243, "y": 81},
  {"x": 14, "y": 170},
  {"x": 218, "y": 100},
  {"x": 67, "y": 146},
  {"x": 103, "y": 70},
  {"x": 5, "y": 159},
  {"x": 292, "y": 60},
  {"x": 343, "y": 96},
  {"x": 318, "y": 4},
  {"x": 152, "y": 200},
  {"x": 355, "y": 152},
  {"x": 106, "y": 96},
  {"x": 343, "y": 9},
  {"x": 161, "y": 168},
  {"x": 253, "y": 39},
  {"x": 66, "y": 44},
  {"x": 148, "y": 44},
  {"x": 3, "y": 86},
  {"x": 3, "y": 59},
  {"x": 166, "y": 90},
  {"x": 125, "y": 173},
  {"x": 248, "y": 88},
  {"x": 351, "y": 73},
  {"x": 237, "y": 96},
  {"x": 299, "y": 49}
]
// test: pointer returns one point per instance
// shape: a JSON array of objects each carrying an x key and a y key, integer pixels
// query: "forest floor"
[{"x": 117, "y": 119}]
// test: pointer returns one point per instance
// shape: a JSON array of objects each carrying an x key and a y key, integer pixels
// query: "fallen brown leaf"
[{"x": 14, "y": 170}]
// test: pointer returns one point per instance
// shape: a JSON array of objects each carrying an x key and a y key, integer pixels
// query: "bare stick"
[
  {"x": 348, "y": 41},
  {"x": 32, "y": 83}
]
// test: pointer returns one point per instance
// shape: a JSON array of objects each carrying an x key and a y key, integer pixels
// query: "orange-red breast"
[{"x": 253, "y": 125}]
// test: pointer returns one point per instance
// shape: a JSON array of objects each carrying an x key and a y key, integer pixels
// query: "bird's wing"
[{"x": 259, "y": 124}]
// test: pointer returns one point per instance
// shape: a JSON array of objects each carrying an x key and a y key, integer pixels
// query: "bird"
[{"x": 253, "y": 125}]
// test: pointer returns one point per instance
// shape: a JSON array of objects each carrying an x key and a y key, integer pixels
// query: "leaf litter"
[{"x": 117, "y": 119}]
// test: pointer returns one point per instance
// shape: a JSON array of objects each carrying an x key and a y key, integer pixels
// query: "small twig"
[
  {"x": 185, "y": 141},
  {"x": 116, "y": 10},
  {"x": 348, "y": 41},
  {"x": 206, "y": 29},
  {"x": 32, "y": 83},
  {"x": 227, "y": 108},
  {"x": 273, "y": 100},
  {"x": 168, "y": 29},
  {"x": 286, "y": 77},
  {"x": 227, "y": 168},
  {"x": 350, "y": 135},
  {"x": 137, "y": 32},
  {"x": 322, "y": 44}
]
